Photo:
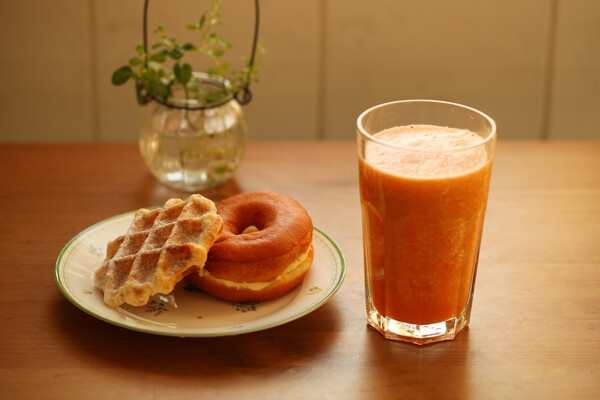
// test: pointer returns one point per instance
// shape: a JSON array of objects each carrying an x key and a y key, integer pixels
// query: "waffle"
[{"x": 160, "y": 247}]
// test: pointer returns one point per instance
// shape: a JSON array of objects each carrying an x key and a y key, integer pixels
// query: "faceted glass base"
[{"x": 415, "y": 333}]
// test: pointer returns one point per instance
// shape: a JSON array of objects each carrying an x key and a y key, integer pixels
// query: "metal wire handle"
[{"x": 242, "y": 96}]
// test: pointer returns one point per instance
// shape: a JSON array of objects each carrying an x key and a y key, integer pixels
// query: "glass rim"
[{"x": 484, "y": 140}]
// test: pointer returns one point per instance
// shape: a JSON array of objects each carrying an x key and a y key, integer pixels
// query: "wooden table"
[{"x": 535, "y": 330}]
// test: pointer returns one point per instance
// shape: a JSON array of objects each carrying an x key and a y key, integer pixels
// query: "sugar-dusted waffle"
[{"x": 160, "y": 247}]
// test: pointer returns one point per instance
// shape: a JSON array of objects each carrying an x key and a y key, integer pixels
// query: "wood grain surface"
[{"x": 536, "y": 316}]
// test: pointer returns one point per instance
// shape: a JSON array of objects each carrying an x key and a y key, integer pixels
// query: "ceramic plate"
[{"x": 187, "y": 311}]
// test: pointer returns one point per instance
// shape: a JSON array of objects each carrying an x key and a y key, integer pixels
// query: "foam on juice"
[{"x": 427, "y": 151}]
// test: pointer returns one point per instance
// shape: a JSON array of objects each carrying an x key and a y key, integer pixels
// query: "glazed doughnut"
[{"x": 264, "y": 251}]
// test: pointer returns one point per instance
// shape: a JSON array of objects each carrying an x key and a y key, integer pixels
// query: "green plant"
[{"x": 159, "y": 70}]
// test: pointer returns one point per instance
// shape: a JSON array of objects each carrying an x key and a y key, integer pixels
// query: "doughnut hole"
[
  {"x": 250, "y": 229},
  {"x": 250, "y": 217}
]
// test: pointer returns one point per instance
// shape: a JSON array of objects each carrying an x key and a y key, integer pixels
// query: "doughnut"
[{"x": 264, "y": 251}]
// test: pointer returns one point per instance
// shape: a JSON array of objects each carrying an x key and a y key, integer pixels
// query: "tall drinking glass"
[{"x": 424, "y": 174}]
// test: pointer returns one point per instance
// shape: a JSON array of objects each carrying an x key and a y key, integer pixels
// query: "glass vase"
[{"x": 193, "y": 149}]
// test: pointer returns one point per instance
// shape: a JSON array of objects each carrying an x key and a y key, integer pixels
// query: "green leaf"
[
  {"x": 140, "y": 50},
  {"x": 177, "y": 53},
  {"x": 218, "y": 52},
  {"x": 161, "y": 56},
  {"x": 219, "y": 40},
  {"x": 188, "y": 47},
  {"x": 135, "y": 61},
  {"x": 150, "y": 74},
  {"x": 183, "y": 73},
  {"x": 122, "y": 75},
  {"x": 202, "y": 21},
  {"x": 192, "y": 27},
  {"x": 164, "y": 73},
  {"x": 158, "y": 89}
]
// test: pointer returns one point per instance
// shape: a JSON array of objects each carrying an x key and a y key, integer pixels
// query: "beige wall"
[{"x": 534, "y": 65}]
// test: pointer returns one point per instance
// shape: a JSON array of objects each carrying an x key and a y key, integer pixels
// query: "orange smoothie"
[{"x": 423, "y": 212}]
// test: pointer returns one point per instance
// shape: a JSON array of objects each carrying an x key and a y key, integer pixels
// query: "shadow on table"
[
  {"x": 151, "y": 192},
  {"x": 267, "y": 352},
  {"x": 437, "y": 370}
]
